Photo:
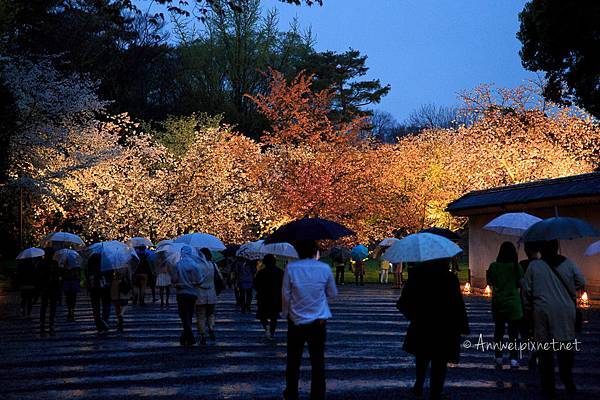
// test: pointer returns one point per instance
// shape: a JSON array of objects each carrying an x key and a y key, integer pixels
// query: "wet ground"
[{"x": 364, "y": 356}]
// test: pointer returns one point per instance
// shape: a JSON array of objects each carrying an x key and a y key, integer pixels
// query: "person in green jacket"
[{"x": 504, "y": 277}]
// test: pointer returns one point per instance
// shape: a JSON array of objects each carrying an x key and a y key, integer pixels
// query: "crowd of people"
[{"x": 534, "y": 299}]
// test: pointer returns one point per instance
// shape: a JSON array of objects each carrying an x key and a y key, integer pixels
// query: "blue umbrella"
[
  {"x": 359, "y": 252},
  {"x": 309, "y": 229},
  {"x": 559, "y": 228}
]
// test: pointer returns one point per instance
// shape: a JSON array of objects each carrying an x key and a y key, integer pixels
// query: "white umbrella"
[
  {"x": 279, "y": 249},
  {"x": 420, "y": 247},
  {"x": 62, "y": 237},
  {"x": 68, "y": 259},
  {"x": 114, "y": 255},
  {"x": 32, "y": 252},
  {"x": 388, "y": 241},
  {"x": 512, "y": 224},
  {"x": 251, "y": 250},
  {"x": 139, "y": 242},
  {"x": 201, "y": 241},
  {"x": 594, "y": 248}
]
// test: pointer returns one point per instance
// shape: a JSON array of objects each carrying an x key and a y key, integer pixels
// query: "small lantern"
[
  {"x": 467, "y": 288},
  {"x": 487, "y": 292},
  {"x": 584, "y": 301}
]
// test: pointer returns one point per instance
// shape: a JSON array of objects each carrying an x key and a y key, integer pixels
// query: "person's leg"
[
  {"x": 546, "y": 365},
  {"x": 106, "y": 304},
  {"x": 69, "y": 302},
  {"x": 362, "y": 277},
  {"x": 153, "y": 287},
  {"x": 23, "y": 302},
  {"x": 264, "y": 322},
  {"x": 498, "y": 337},
  {"x": 181, "y": 305},
  {"x": 438, "y": 376},
  {"x": 387, "y": 273},
  {"x": 343, "y": 274},
  {"x": 421, "y": 369},
  {"x": 566, "y": 359},
  {"x": 295, "y": 348},
  {"x": 513, "y": 336},
  {"x": 161, "y": 295},
  {"x": 43, "y": 310},
  {"x": 201, "y": 321},
  {"x": 316, "y": 347},
  {"x": 210, "y": 319},
  {"x": 53, "y": 300},
  {"x": 273, "y": 325},
  {"x": 337, "y": 275},
  {"x": 119, "y": 314},
  {"x": 191, "y": 308},
  {"x": 29, "y": 301},
  {"x": 248, "y": 300},
  {"x": 143, "y": 285},
  {"x": 167, "y": 292},
  {"x": 95, "y": 302}
]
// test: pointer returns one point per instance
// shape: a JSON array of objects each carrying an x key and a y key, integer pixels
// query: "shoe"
[
  {"x": 498, "y": 362},
  {"x": 267, "y": 334},
  {"x": 202, "y": 340},
  {"x": 51, "y": 331},
  {"x": 514, "y": 364},
  {"x": 211, "y": 335}
]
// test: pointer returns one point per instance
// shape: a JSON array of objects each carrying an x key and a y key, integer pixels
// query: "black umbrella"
[
  {"x": 309, "y": 229},
  {"x": 447, "y": 233}
]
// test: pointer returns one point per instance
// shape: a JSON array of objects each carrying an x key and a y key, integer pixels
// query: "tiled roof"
[{"x": 547, "y": 189}]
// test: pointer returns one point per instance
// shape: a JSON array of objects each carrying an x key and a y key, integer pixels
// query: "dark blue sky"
[{"x": 427, "y": 50}]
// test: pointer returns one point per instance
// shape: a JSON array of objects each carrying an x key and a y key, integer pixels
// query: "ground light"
[
  {"x": 487, "y": 291},
  {"x": 584, "y": 301},
  {"x": 467, "y": 288}
]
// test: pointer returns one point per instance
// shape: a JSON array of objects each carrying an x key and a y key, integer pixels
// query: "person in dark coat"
[
  {"x": 27, "y": 281},
  {"x": 268, "y": 294},
  {"x": 244, "y": 273},
  {"x": 99, "y": 291},
  {"x": 432, "y": 301},
  {"x": 141, "y": 276},
  {"x": 49, "y": 286}
]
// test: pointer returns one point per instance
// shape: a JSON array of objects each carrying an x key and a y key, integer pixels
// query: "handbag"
[{"x": 573, "y": 296}]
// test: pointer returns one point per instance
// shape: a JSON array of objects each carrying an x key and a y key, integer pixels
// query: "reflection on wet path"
[{"x": 364, "y": 356}]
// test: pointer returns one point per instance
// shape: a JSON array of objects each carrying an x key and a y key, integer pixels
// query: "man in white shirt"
[{"x": 307, "y": 284}]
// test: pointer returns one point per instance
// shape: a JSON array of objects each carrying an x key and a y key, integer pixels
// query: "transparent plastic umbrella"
[
  {"x": 512, "y": 224},
  {"x": 420, "y": 247},
  {"x": 593, "y": 249},
  {"x": 62, "y": 237},
  {"x": 251, "y": 250},
  {"x": 282, "y": 249},
  {"x": 32, "y": 252},
  {"x": 387, "y": 242},
  {"x": 139, "y": 242},
  {"x": 184, "y": 263},
  {"x": 201, "y": 241},
  {"x": 68, "y": 259},
  {"x": 114, "y": 255}
]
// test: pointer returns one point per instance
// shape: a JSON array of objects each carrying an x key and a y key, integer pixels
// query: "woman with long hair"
[{"x": 504, "y": 277}]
